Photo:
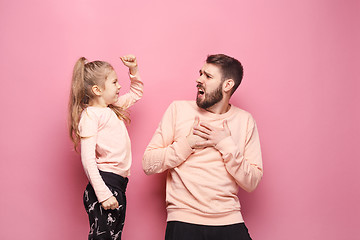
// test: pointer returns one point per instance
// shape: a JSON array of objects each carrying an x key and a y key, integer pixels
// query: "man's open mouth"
[{"x": 200, "y": 90}]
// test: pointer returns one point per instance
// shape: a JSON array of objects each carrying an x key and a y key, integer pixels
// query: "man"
[{"x": 209, "y": 149}]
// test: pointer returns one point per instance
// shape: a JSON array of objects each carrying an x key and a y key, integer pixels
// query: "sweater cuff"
[
  {"x": 137, "y": 75},
  {"x": 183, "y": 149},
  {"x": 105, "y": 196}
]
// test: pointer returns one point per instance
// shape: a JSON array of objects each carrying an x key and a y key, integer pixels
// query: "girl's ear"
[
  {"x": 96, "y": 90},
  {"x": 228, "y": 85}
]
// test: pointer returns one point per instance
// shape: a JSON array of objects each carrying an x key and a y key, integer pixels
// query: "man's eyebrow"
[
  {"x": 205, "y": 72},
  {"x": 208, "y": 74}
]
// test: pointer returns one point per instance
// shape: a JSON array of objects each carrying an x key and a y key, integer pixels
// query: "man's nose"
[{"x": 199, "y": 80}]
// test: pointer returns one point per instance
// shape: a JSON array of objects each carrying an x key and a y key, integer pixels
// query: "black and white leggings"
[{"x": 106, "y": 224}]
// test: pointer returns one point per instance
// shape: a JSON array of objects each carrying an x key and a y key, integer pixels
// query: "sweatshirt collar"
[{"x": 206, "y": 113}]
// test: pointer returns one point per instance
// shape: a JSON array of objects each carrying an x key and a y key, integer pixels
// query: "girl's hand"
[
  {"x": 110, "y": 203},
  {"x": 130, "y": 62}
]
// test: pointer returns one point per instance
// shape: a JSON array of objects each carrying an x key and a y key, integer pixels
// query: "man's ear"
[
  {"x": 96, "y": 90},
  {"x": 228, "y": 84}
]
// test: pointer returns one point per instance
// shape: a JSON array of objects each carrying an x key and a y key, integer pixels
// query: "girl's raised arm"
[{"x": 136, "y": 87}]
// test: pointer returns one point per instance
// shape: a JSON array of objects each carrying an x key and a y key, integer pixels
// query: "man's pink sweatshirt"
[{"x": 202, "y": 184}]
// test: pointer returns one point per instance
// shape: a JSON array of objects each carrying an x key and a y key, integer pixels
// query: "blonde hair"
[{"x": 85, "y": 76}]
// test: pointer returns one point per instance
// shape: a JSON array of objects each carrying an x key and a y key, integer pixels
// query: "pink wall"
[{"x": 301, "y": 84}]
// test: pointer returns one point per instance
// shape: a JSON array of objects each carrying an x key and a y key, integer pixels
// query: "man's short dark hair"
[{"x": 230, "y": 68}]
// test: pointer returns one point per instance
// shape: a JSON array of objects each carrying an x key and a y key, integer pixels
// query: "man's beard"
[{"x": 211, "y": 99}]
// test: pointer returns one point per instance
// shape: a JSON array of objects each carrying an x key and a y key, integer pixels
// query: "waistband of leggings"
[{"x": 114, "y": 180}]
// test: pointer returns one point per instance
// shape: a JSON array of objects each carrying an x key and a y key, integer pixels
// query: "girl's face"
[{"x": 110, "y": 93}]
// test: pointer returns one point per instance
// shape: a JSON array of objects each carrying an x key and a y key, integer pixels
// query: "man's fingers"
[
  {"x": 203, "y": 144},
  {"x": 206, "y": 125},
  {"x": 200, "y": 134},
  {"x": 203, "y": 129},
  {"x": 196, "y": 121}
]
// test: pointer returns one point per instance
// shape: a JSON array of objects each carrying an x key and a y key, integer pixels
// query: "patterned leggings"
[{"x": 106, "y": 224}]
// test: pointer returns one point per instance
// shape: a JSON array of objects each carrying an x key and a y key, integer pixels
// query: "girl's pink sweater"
[{"x": 105, "y": 143}]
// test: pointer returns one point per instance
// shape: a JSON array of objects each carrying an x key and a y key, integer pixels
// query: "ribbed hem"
[{"x": 218, "y": 219}]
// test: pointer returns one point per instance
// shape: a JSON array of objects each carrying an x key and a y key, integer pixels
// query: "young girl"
[{"x": 96, "y": 120}]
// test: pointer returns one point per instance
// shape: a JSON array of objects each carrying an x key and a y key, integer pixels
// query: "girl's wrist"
[{"x": 133, "y": 70}]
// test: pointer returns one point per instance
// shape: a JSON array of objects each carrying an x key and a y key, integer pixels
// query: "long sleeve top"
[
  {"x": 202, "y": 184},
  {"x": 105, "y": 143}
]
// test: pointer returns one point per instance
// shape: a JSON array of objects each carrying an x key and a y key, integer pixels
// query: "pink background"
[{"x": 301, "y": 84}]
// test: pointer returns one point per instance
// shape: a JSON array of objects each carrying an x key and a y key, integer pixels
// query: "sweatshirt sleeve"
[
  {"x": 88, "y": 127},
  {"x": 245, "y": 167},
  {"x": 164, "y": 151},
  {"x": 136, "y": 91}
]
